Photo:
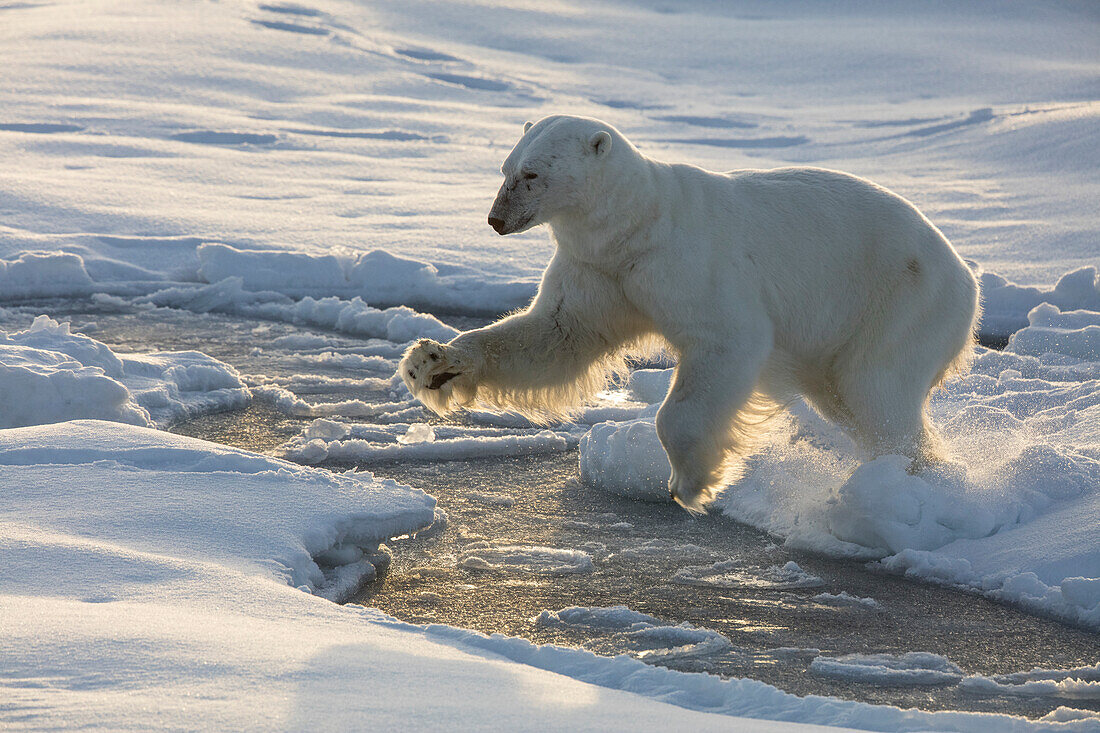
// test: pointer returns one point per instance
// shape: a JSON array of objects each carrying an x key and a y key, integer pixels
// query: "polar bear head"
[{"x": 555, "y": 168}]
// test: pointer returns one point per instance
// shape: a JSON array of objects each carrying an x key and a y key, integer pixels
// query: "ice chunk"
[
  {"x": 616, "y": 618},
  {"x": 733, "y": 574},
  {"x": 527, "y": 559},
  {"x": 909, "y": 669},
  {"x": 846, "y": 600},
  {"x": 626, "y": 459},
  {"x": 417, "y": 433}
]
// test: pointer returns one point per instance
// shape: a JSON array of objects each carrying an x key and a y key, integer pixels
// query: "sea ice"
[{"x": 49, "y": 374}]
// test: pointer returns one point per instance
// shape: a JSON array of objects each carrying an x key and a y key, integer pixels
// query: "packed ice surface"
[
  {"x": 1013, "y": 516},
  {"x": 49, "y": 374}
]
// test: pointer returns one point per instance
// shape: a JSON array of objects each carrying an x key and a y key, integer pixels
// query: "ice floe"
[
  {"x": 911, "y": 668},
  {"x": 525, "y": 559},
  {"x": 49, "y": 374},
  {"x": 734, "y": 574}
]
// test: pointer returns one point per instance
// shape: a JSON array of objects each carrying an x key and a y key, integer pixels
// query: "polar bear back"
[{"x": 821, "y": 252}]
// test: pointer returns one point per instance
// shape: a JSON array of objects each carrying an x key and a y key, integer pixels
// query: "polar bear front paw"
[
  {"x": 692, "y": 495},
  {"x": 432, "y": 371}
]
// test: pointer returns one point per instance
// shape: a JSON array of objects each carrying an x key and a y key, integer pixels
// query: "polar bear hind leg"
[{"x": 878, "y": 387}]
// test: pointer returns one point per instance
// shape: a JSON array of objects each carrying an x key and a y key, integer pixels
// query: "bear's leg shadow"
[{"x": 708, "y": 415}]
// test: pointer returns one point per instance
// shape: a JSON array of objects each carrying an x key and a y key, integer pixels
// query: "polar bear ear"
[
  {"x": 527, "y": 126},
  {"x": 600, "y": 142}
]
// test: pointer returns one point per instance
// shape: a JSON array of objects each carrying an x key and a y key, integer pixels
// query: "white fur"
[{"x": 766, "y": 283}]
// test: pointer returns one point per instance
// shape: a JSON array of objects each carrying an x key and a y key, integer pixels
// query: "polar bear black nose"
[{"x": 497, "y": 224}]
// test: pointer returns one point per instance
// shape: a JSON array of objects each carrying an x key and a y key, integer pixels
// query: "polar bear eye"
[{"x": 529, "y": 176}]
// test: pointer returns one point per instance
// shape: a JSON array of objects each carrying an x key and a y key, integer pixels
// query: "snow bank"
[
  {"x": 1011, "y": 517},
  {"x": 178, "y": 497},
  {"x": 378, "y": 276},
  {"x": 333, "y": 292},
  {"x": 1006, "y": 305},
  {"x": 43, "y": 274},
  {"x": 49, "y": 374},
  {"x": 354, "y": 316}
]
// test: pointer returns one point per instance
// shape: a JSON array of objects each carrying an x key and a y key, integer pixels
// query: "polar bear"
[{"x": 765, "y": 284}]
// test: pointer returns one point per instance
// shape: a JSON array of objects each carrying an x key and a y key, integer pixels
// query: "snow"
[
  {"x": 336, "y": 150},
  {"x": 1011, "y": 516},
  {"x": 49, "y": 374}
]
